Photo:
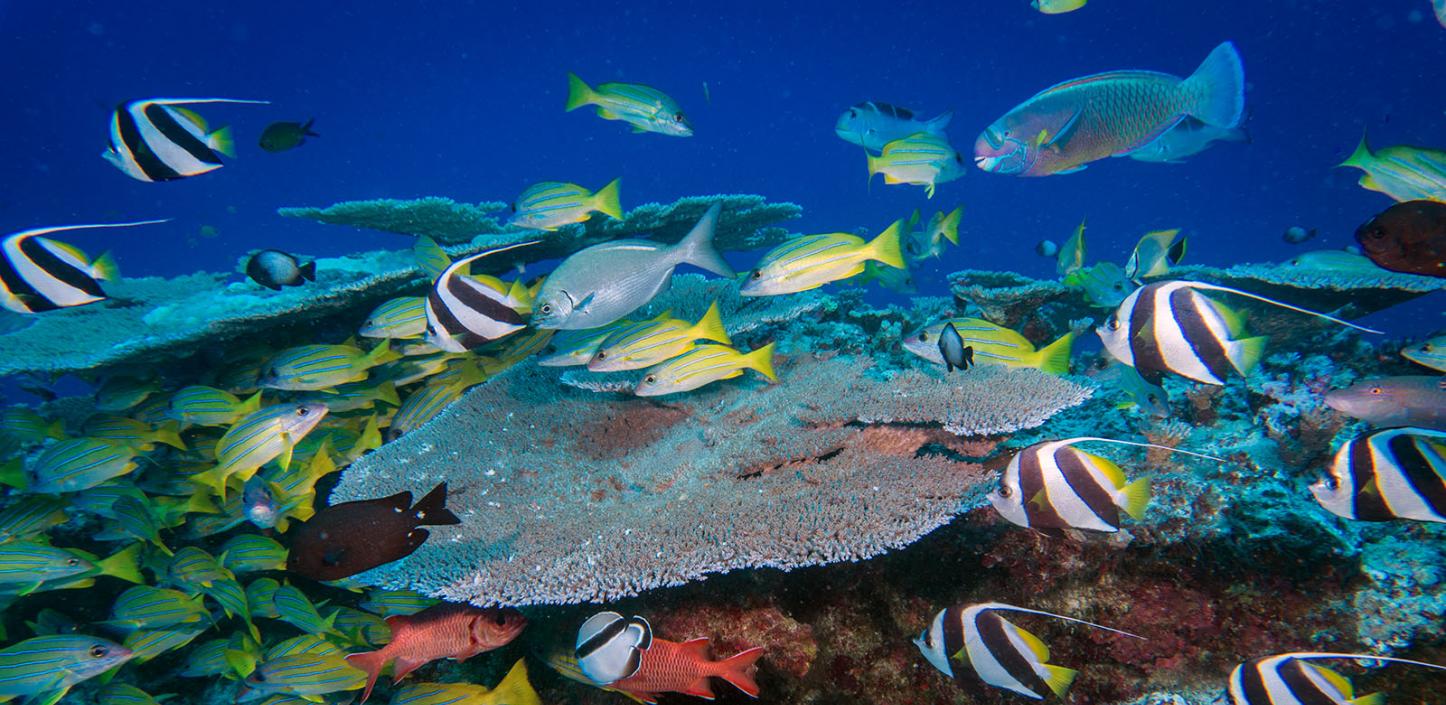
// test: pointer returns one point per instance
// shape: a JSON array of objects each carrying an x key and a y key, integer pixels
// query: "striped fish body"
[
  {"x": 1394, "y": 473},
  {"x": 674, "y": 667},
  {"x": 552, "y": 204},
  {"x": 294, "y": 608},
  {"x": 193, "y": 568},
  {"x": 157, "y": 140},
  {"x": 357, "y": 396},
  {"x": 1402, "y": 172},
  {"x": 31, "y": 515},
  {"x": 259, "y": 597},
  {"x": 704, "y": 365},
  {"x": 465, "y": 313},
  {"x": 651, "y": 342},
  {"x": 252, "y": 553},
  {"x": 258, "y": 438},
  {"x": 136, "y": 434},
  {"x": 422, "y": 405},
  {"x": 208, "y": 659},
  {"x": 577, "y": 347},
  {"x": 146, "y": 644},
  {"x": 149, "y": 607},
  {"x": 39, "y": 274},
  {"x": 923, "y": 159},
  {"x": 1053, "y": 485},
  {"x": 26, "y": 562},
  {"x": 305, "y": 675},
  {"x": 993, "y": 345},
  {"x": 403, "y": 318},
  {"x": 1171, "y": 327},
  {"x": 1071, "y": 124},
  {"x": 513, "y": 689},
  {"x": 646, "y": 108},
  {"x": 124, "y": 694},
  {"x": 1001, "y": 654},
  {"x": 26, "y": 427},
  {"x": 392, "y": 602},
  {"x": 314, "y": 367},
  {"x": 208, "y": 406},
  {"x": 79, "y": 464},
  {"x": 301, "y": 645},
  {"x": 810, "y": 261},
  {"x": 50, "y": 665},
  {"x": 1284, "y": 679},
  {"x": 361, "y": 628}
]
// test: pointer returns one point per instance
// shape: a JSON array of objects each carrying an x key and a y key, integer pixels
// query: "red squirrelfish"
[
  {"x": 457, "y": 632},
  {"x": 1111, "y": 114},
  {"x": 672, "y": 667}
]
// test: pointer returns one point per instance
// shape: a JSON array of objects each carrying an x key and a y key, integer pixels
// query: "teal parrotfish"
[
  {"x": 1065, "y": 127},
  {"x": 1186, "y": 139}
]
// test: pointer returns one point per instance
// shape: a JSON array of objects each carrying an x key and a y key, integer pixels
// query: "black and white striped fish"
[
  {"x": 39, "y": 274},
  {"x": 609, "y": 646},
  {"x": 463, "y": 313},
  {"x": 1053, "y": 485},
  {"x": 157, "y": 140},
  {"x": 1393, "y": 473},
  {"x": 1287, "y": 679},
  {"x": 1001, "y": 654},
  {"x": 1172, "y": 327}
]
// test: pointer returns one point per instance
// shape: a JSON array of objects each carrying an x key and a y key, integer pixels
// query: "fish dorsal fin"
[
  {"x": 1337, "y": 681},
  {"x": 1107, "y": 467},
  {"x": 74, "y": 252},
  {"x": 1234, "y": 320},
  {"x": 1026, "y": 610},
  {"x": 1281, "y": 304},
  {"x": 1035, "y": 645},
  {"x": 1096, "y": 439},
  {"x": 695, "y": 648},
  {"x": 430, "y": 256},
  {"x": 192, "y": 116}
]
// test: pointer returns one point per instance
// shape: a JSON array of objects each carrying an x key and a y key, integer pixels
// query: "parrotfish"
[
  {"x": 1334, "y": 261},
  {"x": 704, "y": 365},
  {"x": 1288, "y": 679},
  {"x": 993, "y": 345},
  {"x": 921, "y": 159},
  {"x": 1409, "y": 400},
  {"x": 348, "y": 538},
  {"x": 1408, "y": 237},
  {"x": 646, "y": 108},
  {"x": 872, "y": 124},
  {"x": 651, "y": 342},
  {"x": 445, "y": 631},
  {"x": 810, "y": 261},
  {"x": 281, "y": 136},
  {"x": 44, "y": 668},
  {"x": 552, "y": 204},
  {"x": 1065, "y": 127},
  {"x": 1402, "y": 172},
  {"x": 605, "y": 282},
  {"x": 1430, "y": 353},
  {"x": 624, "y": 655},
  {"x": 1395, "y": 473},
  {"x": 1186, "y": 139},
  {"x": 1001, "y": 654}
]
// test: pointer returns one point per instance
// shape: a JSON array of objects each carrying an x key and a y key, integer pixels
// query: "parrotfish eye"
[{"x": 98, "y": 651}]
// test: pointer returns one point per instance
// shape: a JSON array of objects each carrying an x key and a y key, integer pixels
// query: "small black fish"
[
  {"x": 274, "y": 269},
  {"x": 345, "y": 539},
  {"x": 281, "y": 136},
  {"x": 956, "y": 354},
  {"x": 1296, "y": 234}
]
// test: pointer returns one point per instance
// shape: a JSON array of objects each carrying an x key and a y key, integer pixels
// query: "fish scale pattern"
[{"x": 570, "y": 496}]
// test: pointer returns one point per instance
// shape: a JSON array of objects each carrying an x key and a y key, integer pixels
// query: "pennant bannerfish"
[
  {"x": 1289, "y": 679},
  {"x": 158, "y": 140},
  {"x": 1394, "y": 473},
  {"x": 1065, "y": 127},
  {"x": 39, "y": 274},
  {"x": 464, "y": 313}
]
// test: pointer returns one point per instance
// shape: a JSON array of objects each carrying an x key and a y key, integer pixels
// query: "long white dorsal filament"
[
  {"x": 1012, "y": 608},
  {"x": 1082, "y": 439},
  {"x": 1282, "y": 304}
]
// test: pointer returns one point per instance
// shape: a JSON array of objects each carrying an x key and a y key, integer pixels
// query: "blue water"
[{"x": 465, "y": 100}]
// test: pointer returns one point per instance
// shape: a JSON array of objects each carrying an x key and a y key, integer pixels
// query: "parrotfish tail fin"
[
  {"x": 738, "y": 670},
  {"x": 710, "y": 326},
  {"x": 1135, "y": 497},
  {"x": 1025, "y": 610},
  {"x": 1217, "y": 88},
  {"x": 169, "y": 433},
  {"x": 697, "y": 247},
  {"x": 123, "y": 564},
  {"x": 222, "y": 141},
  {"x": 308, "y": 271},
  {"x": 1282, "y": 304},
  {"x": 434, "y": 508},
  {"x": 761, "y": 360},
  {"x": 1362, "y": 156},
  {"x": 104, "y": 268},
  {"x": 578, "y": 92},
  {"x": 1246, "y": 353},
  {"x": 606, "y": 200},
  {"x": 950, "y": 226},
  {"x": 1054, "y": 358},
  {"x": 937, "y": 125},
  {"x": 1058, "y": 678},
  {"x": 885, "y": 248},
  {"x": 370, "y": 663},
  {"x": 382, "y": 354},
  {"x": 515, "y": 688},
  {"x": 430, "y": 256}
]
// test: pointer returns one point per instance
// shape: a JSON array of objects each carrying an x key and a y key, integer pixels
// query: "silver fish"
[{"x": 605, "y": 282}]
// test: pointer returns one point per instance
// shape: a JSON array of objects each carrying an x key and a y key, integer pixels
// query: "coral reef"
[{"x": 441, "y": 219}]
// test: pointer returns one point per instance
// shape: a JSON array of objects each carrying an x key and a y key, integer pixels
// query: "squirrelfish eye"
[{"x": 98, "y": 651}]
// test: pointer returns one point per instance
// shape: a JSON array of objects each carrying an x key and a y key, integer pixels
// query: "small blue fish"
[
  {"x": 80, "y": 463},
  {"x": 150, "y": 607},
  {"x": 46, "y": 667},
  {"x": 148, "y": 644}
]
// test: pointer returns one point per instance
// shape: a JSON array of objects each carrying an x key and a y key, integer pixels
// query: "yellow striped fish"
[
  {"x": 146, "y": 644},
  {"x": 193, "y": 568},
  {"x": 306, "y": 675},
  {"x": 258, "y": 438},
  {"x": 703, "y": 365},
  {"x": 137, "y": 434},
  {"x": 993, "y": 345},
  {"x": 46, "y": 667},
  {"x": 646, "y": 108},
  {"x": 810, "y": 261},
  {"x": 1402, "y": 172},
  {"x": 402, "y": 318},
  {"x": 26, "y": 427},
  {"x": 36, "y": 564},
  {"x": 424, "y": 404},
  {"x": 552, "y": 204},
  {"x": 31, "y": 515},
  {"x": 513, "y": 689},
  {"x": 150, "y": 607},
  {"x": 80, "y": 463},
  {"x": 651, "y": 342},
  {"x": 309, "y": 368},
  {"x": 576, "y": 347},
  {"x": 921, "y": 159},
  {"x": 252, "y": 553},
  {"x": 207, "y": 406},
  {"x": 124, "y": 694}
]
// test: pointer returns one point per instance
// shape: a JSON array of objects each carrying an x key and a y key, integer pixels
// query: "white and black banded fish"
[
  {"x": 609, "y": 646},
  {"x": 1393, "y": 473},
  {"x": 1053, "y": 485},
  {"x": 1287, "y": 679},
  {"x": 39, "y": 274},
  {"x": 157, "y": 140},
  {"x": 1001, "y": 654},
  {"x": 463, "y": 313},
  {"x": 1172, "y": 327}
]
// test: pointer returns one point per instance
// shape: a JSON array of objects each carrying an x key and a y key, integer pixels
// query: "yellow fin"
[
  {"x": 122, "y": 564},
  {"x": 885, "y": 247},
  {"x": 1245, "y": 353},
  {"x": 1037, "y": 647},
  {"x": 222, "y": 141},
  {"x": 104, "y": 268},
  {"x": 1054, "y": 358},
  {"x": 710, "y": 326},
  {"x": 606, "y": 200},
  {"x": 1107, "y": 467},
  {"x": 1135, "y": 497},
  {"x": 514, "y": 688},
  {"x": 430, "y": 256},
  {"x": 1234, "y": 321},
  {"x": 578, "y": 92},
  {"x": 762, "y": 361},
  {"x": 950, "y": 226},
  {"x": 1362, "y": 157},
  {"x": 1058, "y": 678},
  {"x": 1372, "y": 699}
]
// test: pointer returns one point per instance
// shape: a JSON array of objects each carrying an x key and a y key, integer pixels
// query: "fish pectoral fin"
[
  {"x": 50, "y": 698},
  {"x": 404, "y": 665},
  {"x": 1072, "y": 170},
  {"x": 1061, "y": 138},
  {"x": 1040, "y": 499},
  {"x": 581, "y": 306}
]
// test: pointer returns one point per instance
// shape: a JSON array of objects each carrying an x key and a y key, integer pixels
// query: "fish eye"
[
  {"x": 602, "y": 354},
  {"x": 501, "y": 617},
  {"x": 650, "y": 379},
  {"x": 98, "y": 651},
  {"x": 546, "y": 308},
  {"x": 1114, "y": 324},
  {"x": 923, "y": 337},
  {"x": 302, "y": 411},
  {"x": 72, "y": 561},
  {"x": 1375, "y": 390},
  {"x": 1004, "y": 491},
  {"x": 853, "y": 113},
  {"x": 757, "y": 274},
  {"x": 678, "y": 117}
]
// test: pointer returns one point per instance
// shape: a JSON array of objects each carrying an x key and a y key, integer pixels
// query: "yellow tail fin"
[
  {"x": 710, "y": 326},
  {"x": 1058, "y": 678},
  {"x": 104, "y": 268},
  {"x": 249, "y": 405},
  {"x": 606, "y": 200},
  {"x": 762, "y": 361},
  {"x": 169, "y": 433},
  {"x": 1135, "y": 496},
  {"x": 1245, "y": 353},
  {"x": 1361, "y": 157},
  {"x": 885, "y": 247},
  {"x": 123, "y": 565},
  {"x": 1054, "y": 358},
  {"x": 950, "y": 226},
  {"x": 222, "y": 141},
  {"x": 430, "y": 256},
  {"x": 515, "y": 689},
  {"x": 578, "y": 92},
  {"x": 382, "y": 354}
]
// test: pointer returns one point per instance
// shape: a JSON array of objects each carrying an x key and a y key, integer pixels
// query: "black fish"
[
  {"x": 345, "y": 539},
  {"x": 274, "y": 269},
  {"x": 956, "y": 354},
  {"x": 281, "y": 136}
]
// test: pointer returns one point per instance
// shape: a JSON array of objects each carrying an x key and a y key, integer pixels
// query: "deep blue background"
[{"x": 465, "y": 100}]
